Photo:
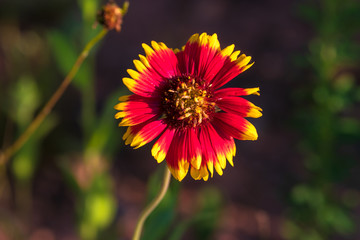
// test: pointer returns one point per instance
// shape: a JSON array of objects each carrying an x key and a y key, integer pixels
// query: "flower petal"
[
  {"x": 147, "y": 133},
  {"x": 230, "y": 69},
  {"x": 217, "y": 63},
  {"x": 202, "y": 57},
  {"x": 239, "y": 106},
  {"x": 145, "y": 81},
  {"x": 201, "y": 173},
  {"x": 197, "y": 54},
  {"x": 159, "y": 64},
  {"x": 209, "y": 155},
  {"x": 139, "y": 135},
  {"x": 161, "y": 147},
  {"x": 216, "y": 150},
  {"x": 162, "y": 59},
  {"x": 223, "y": 146},
  {"x": 193, "y": 149},
  {"x": 236, "y": 92},
  {"x": 136, "y": 109},
  {"x": 235, "y": 126},
  {"x": 176, "y": 158}
]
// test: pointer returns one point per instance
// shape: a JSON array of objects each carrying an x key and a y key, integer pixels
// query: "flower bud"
[{"x": 111, "y": 16}]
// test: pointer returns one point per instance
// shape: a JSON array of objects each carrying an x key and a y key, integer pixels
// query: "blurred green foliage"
[
  {"x": 86, "y": 172},
  {"x": 96, "y": 205},
  {"x": 325, "y": 109}
]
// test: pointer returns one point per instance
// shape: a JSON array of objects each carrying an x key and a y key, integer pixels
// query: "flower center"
[{"x": 187, "y": 102}]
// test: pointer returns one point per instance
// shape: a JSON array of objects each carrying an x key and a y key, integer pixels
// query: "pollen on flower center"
[{"x": 187, "y": 102}]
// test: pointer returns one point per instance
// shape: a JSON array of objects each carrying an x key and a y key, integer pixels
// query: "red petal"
[
  {"x": 177, "y": 155},
  {"x": 162, "y": 60},
  {"x": 239, "y": 106},
  {"x": 146, "y": 83},
  {"x": 161, "y": 147},
  {"x": 193, "y": 148},
  {"x": 235, "y": 126},
  {"x": 231, "y": 69},
  {"x": 137, "y": 109},
  {"x": 147, "y": 133},
  {"x": 209, "y": 155},
  {"x": 223, "y": 147},
  {"x": 235, "y": 92},
  {"x": 152, "y": 71},
  {"x": 197, "y": 55}
]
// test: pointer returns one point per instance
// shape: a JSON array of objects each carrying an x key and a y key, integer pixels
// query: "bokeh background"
[{"x": 75, "y": 179}]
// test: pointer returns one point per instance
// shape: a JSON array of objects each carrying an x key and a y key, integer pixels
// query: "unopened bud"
[{"x": 111, "y": 16}]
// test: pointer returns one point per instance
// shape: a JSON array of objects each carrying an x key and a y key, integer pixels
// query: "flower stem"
[
  {"x": 10, "y": 151},
  {"x": 150, "y": 208}
]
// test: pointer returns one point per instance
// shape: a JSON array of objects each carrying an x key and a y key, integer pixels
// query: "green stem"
[
  {"x": 10, "y": 151},
  {"x": 150, "y": 208}
]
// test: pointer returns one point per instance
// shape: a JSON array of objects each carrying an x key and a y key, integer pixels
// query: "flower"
[{"x": 177, "y": 98}]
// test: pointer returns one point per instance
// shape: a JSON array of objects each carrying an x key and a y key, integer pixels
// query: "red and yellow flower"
[{"x": 177, "y": 99}]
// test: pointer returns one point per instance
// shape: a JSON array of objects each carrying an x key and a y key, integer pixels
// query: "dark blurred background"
[{"x": 75, "y": 179}]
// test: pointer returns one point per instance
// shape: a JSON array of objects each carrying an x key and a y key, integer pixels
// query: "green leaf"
[
  {"x": 337, "y": 218},
  {"x": 89, "y": 9},
  {"x": 65, "y": 54},
  {"x": 25, "y": 100}
]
